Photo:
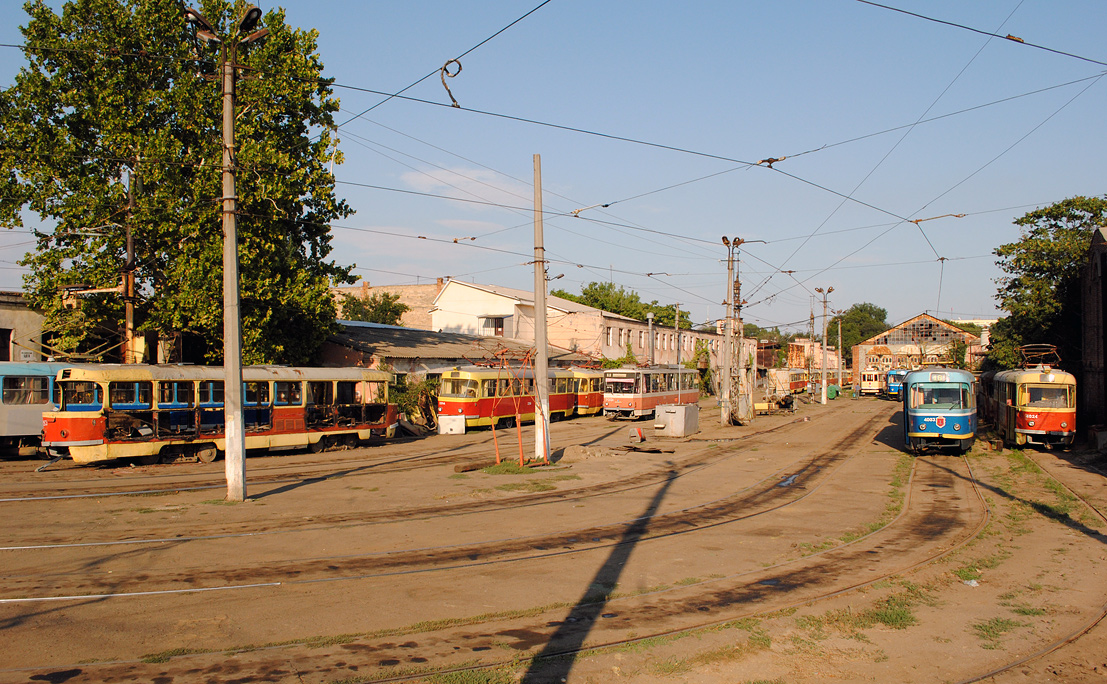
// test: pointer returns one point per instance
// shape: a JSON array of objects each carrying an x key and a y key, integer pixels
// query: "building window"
[
  {"x": 494, "y": 326},
  {"x": 610, "y": 338}
]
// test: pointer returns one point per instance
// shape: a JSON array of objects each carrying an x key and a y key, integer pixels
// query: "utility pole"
[
  {"x": 541, "y": 361},
  {"x": 649, "y": 321},
  {"x": 839, "y": 351},
  {"x": 234, "y": 432},
  {"x": 129, "y": 355},
  {"x": 676, "y": 327},
  {"x": 825, "y": 295},
  {"x": 728, "y": 333}
]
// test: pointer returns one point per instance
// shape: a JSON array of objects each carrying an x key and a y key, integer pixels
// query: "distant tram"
[
  {"x": 939, "y": 409},
  {"x": 636, "y": 392},
  {"x": 872, "y": 382},
  {"x": 893, "y": 383},
  {"x": 488, "y": 396},
  {"x": 151, "y": 413},
  {"x": 784, "y": 381}
]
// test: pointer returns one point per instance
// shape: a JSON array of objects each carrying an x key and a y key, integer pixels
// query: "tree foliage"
[
  {"x": 114, "y": 89},
  {"x": 1041, "y": 289},
  {"x": 859, "y": 323},
  {"x": 616, "y": 299},
  {"x": 379, "y": 307}
]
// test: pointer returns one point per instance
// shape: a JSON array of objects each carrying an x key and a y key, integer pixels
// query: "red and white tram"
[
  {"x": 485, "y": 396},
  {"x": 784, "y": 381},
  {"x": 1034, "y": 406},
  {"x": 152, "y": 413},
  {"x": 636, "y": 392}
]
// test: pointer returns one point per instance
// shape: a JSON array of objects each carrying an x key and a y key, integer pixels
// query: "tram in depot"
[
  {"x": 26, "y": 391},
  {"x": 893, "y": 383},
  {"x": 784, "y": 381},
  {"x": 939, "y": 409},
  {"x": 872, "y": 382},
  {"x": 1034, "y": 406},
  {"x": 485, "y": 396},
  {"x": 637, "y": 392},
  {"x": 166, "y": 412}
]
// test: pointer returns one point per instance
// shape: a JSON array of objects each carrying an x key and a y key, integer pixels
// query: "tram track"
[
  {"x": 913, "y": 539},
  {"x": 759, "y": 498}
]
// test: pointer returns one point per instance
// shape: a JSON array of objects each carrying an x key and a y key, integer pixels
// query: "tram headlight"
[
  {"x": 922, "y": 426},
  {"x": 1030, "y": 423},
  {"x": 956, "y": 426},
  {"x": 1064, "y": 424}
]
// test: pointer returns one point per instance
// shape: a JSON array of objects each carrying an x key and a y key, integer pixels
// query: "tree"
[
  {"x": 111, "y": 91},
  {"x": 379, "y": 307},
  {"x": 859, "y": 323},
  {"x": 608, "y": 297},
  {"x": 1041, "y": 291}
]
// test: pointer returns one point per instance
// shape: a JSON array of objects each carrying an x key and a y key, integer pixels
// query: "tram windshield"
[
  {"x": 1048, "y": 396},
  {"x": 942, "y": 396},
  {"x": 458, "y": 387},
  {"x": 621, "y": 385}
]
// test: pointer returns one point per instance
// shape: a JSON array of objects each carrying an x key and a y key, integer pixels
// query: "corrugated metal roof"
[{"x": 387, "y": 341}]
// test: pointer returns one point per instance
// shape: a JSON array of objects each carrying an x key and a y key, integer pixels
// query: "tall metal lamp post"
[
  {"x": 235, "y": 435},
  {"x": 825, "y": 295}
]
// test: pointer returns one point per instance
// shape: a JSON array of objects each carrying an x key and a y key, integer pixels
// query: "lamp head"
[
  {"x": 726, "y": 241},
  {"x": 249, "y": 19}
]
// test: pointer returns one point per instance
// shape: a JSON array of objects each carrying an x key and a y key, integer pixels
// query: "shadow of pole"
[{"x": 556, "y": 660}]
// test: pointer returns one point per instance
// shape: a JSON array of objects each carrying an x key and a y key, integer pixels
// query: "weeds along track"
[
  {"x": 1093, "y": 498},
  {"x": 943, "y": 510},
  {"x": 52, "y": 571}
]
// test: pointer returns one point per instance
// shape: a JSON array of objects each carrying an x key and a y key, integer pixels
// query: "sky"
[{"x": 907, "y": 145}]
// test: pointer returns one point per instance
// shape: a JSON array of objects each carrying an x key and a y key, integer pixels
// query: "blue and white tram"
[
  {"x": 939, "y": 409},
  {"x": 893, "y": 384},
  {"x": 26, "y": 390}
]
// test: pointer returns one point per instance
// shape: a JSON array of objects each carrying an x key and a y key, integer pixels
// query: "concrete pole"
[
  {"x": 649, "y": 320},
  {"x": 129, "y": 277},
  {"x": 541, "y": 360},
  {"x": 825, "y": 295},
  {"x": 235, "y": 435},
  {"x": 839, "y": 353},
  {"x": 728, "y": 332}
]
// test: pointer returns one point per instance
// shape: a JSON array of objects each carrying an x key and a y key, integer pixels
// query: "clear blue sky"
[{"x": 708, "y": 85}]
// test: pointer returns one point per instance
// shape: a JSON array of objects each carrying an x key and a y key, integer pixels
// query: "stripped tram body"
[
  {"x": 893, "y": 383},
  {"x": 939, "y": 409},
  {"x": 872, "y": 382},
  {"x": 153, "y": 413},
  {"x": 637, "y": 392},
  {"x": 501, "y": 396},
  {"x": 1034, "y": 406},
  {"x": 26, "y": 391}
]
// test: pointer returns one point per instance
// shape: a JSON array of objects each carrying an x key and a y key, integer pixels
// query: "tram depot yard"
[{"x": 805, "y": 547}]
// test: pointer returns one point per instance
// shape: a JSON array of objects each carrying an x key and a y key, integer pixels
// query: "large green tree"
[
  {"x": 859, "y": 323},
  {"x": 119, "y": 89},
  {"x": 617, "y": 299},
  {"x": 1040, "y": 290},
  {"x": 379, "y": 307}
]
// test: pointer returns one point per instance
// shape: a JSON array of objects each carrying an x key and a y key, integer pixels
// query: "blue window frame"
[{"x": 130, "y": 396}]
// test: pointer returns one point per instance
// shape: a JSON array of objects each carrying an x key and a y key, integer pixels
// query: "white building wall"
[{"x": 460, "y": 308}]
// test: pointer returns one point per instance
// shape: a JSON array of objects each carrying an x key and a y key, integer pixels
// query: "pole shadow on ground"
[{"x": 556, "y": 660}]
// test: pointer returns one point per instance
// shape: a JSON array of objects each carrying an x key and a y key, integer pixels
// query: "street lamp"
[
  {"x": 234, "y": 432},
  {"x": 825, "y": 295}
]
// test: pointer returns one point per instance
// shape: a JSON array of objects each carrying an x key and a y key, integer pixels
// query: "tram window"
[
  {"x": 374, "y": 392},
  {"x": 530, "y": 385},
  {"x": 211, "y": 392},
  {"x": 622, "y": 386},
  {"x": 288, "y": 393},
  {"x": 175, "y": 393},
  {"x": 256, "y": 393},
  {"x": 562, "y": 385},
  {"x": 26, "y": 390},
  {"x": 346, "y": 392},
  {"x": 320, "y": 393},
  {"x": 1048, "y": 397},
  {"x": 81, "y": 396},
  {"x": 130, "y": 394},
  {"x": 488, "y": 388},
  {"x": 457, "y": 387}
]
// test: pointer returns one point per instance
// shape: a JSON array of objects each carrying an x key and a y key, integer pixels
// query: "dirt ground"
[{"x": 804, "y": 547}]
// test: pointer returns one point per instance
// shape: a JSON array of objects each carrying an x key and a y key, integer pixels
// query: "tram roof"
[
  {"x": 1036, "y": 374},
  {"x": 115, "y": 372}
]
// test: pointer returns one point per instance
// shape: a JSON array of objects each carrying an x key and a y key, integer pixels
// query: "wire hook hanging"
[{"x": 444, "y": 72}]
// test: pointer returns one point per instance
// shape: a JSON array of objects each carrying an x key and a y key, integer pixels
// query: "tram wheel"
[
  {"x": 318, "y": 446},
  {"x": 351, "y": 441},
  {"x": 150, "y": 459},
  {"x": 207, "y": 454}
]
